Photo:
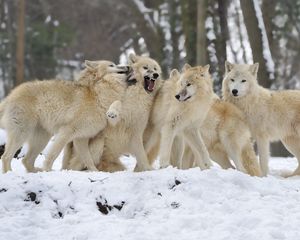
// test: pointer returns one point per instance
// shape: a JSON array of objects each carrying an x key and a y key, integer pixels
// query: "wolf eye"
[
  {"x": 243, "y": 80},
  {"x": 232, "y": 80},
  {"x": 111, "y": 65},
  {"x": 145, "y": 68},
  {"x": 188, "y": 85},
  {"x": 155, "y": 69}
]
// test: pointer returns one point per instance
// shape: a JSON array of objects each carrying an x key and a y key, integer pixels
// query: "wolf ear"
[
  {"x": 186, "y": 67},
  {"x": 174, "y": 73},
  {"x": 228, "y": 66},
  {"x": 91, "y": 64},
  {"x": 206, "y": 68},
  {"x": 132, "y": 58},
  {"x": 254, "y": 68}
]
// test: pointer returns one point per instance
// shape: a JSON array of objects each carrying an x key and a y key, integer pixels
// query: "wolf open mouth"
[{"x": 149, "y": 83}]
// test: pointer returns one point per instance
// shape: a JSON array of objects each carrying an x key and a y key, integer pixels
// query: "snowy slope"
[{"x": 162, "y": 204}]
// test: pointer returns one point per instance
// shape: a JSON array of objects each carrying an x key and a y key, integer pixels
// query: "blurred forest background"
[{"x": 50, "y": 39}]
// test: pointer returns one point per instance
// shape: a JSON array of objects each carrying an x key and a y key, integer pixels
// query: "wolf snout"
[
  {"x": 234, "y": 92},
  {"x": 127, "y": 68},
  {"x": 124, "y": 69},
  {"x": 155, "y": 75}
]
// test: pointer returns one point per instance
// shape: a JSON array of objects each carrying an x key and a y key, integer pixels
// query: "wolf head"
[
  {"x": 194, "y": 81},
  {"x": 103, "y": 67},
  {"x": 239, "y": 80},
  {"x": 145, "y": 71}
]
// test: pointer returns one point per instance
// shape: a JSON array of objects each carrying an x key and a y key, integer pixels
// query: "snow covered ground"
[{"x": 163, "y": 204}]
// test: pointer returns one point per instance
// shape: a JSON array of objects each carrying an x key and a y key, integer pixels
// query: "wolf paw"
[
  {"x": 36, "y": 169},
  {"x": 113, "y": 116},
  {"x": 164, "y": 166},
  {"x": 46, "y": 168},
  {"x": 142, "y": 169}
]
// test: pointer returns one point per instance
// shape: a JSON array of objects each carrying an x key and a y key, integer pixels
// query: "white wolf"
[
  {"x": 272, "y": 115},
  {"x": 179, "y": 110},
  {"x": 35, "y": 111},
  {"x": 126, "y": 137},
  {"x": 226, "y": 135}
]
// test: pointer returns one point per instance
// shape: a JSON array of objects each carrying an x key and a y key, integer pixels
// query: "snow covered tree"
[{"x": 258, "y": 40}]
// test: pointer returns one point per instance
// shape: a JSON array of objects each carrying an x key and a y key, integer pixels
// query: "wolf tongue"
[{"x": 151, "y": 84}]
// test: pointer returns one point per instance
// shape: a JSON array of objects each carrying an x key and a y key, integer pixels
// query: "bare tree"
[
  {"x": 189, "y": 21},
  {"x": 255, "y": 34},
  {"x": 20, "y": 42},
  {"x": 224, "y": 35},
  {"x": 201, "y": 32}
]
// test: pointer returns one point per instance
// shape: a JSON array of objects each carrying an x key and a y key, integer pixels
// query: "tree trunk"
[
  {"x": 268, "y": 10},
  {"x": 175, "y": 33},
  {"x": 201, "y": 32},
  {"x": 20, "y": 43},
  {"x": 189, "y": 21},
  {"x": 222, "y": 54},
  {"x": 255, "y": 35}
]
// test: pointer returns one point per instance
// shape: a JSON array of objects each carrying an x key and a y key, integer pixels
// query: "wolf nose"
[
  {"x": 155, "y": 75},
  {"x": 234, "y": 92},
  {"x": 177, "y": 96}
]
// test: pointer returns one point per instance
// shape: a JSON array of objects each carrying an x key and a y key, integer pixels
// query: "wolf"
[
  {"x": 94, "y": 71},
  {"x": 226, "y": 135},
  {"x": 271, "y": 115},
  {"x": 179, "y": 111},
  {"x": 37, "y": 110},
  {"x": 126, "y": 137}
]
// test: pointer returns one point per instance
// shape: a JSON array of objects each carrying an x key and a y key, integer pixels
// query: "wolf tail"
[{"x": 250, "y": 160}]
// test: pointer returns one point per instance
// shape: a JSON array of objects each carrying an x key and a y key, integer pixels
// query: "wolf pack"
[{"x": 114, "y": 110}]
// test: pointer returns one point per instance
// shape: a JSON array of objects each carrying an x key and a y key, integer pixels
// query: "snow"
[
  {"x": 56, "y": 23},
  {"x": 209, "y": 26},
  {"x": 48, "y": 19},
  {"x": 163, "y": 204}
]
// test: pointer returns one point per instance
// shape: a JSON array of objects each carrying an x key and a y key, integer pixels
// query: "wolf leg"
[
  {"x": 188, "y": 158},
  {"x": 138, "y": 150},
  {"x": 61, "y": 139},
  {"x": 177, "y": 151},
  {"x": 235, "y": 153},
  {"x": 37, "y": 142},
  {"x": 263, "y": 152},
  {"x": 194, "y": 139},
  {"x": 293, "y": 145},
  {"x": 12, "y": 145},
  {"x": 150, "y": 144},
  {"x": 82, "y": 149},
  {"x": 221, "y": 158},
  {"x": 68, "y": 153},
  {"x": 166, "y": 142}
]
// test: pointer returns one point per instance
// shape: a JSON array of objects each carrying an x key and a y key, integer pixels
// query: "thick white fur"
[
  {"x": 179, "y": 110},
  {"x": 126, "y": 137},
  {"x": 271, "y": 115},
  {"x": 37, "y": 110},
  {"x": 226, "y": 135}
]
